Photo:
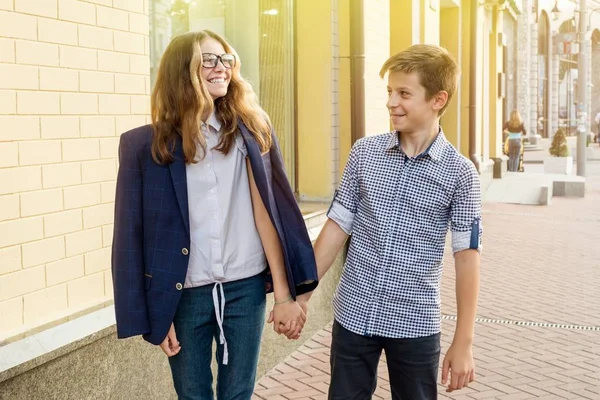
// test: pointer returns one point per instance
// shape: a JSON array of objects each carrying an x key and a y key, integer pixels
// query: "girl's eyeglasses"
[{"x": 210, "y": 60}]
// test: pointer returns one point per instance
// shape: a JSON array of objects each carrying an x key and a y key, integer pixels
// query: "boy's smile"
[
  {"x": 410, "y": 110},
  {"x": 406, "y": 102}
]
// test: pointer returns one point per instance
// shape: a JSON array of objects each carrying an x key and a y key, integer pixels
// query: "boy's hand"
[
  {"x": 288, "y": 319},
  {"x": 302, "y": 300},
  {"x": 459, "y": 364}
]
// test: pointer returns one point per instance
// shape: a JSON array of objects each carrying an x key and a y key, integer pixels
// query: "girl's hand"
[
  {"x": 171, "y": 345},
  {"x": 288, "y": 319}
]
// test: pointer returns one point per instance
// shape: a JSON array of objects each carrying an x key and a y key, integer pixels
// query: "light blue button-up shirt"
[{"x": 225, "y": 245}]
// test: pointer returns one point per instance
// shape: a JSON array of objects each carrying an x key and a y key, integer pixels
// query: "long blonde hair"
[
  {"x": 515, "y": 121},
  {"x": 180, "y": 101}
]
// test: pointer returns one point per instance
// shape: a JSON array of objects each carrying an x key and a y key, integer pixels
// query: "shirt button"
[
  {"x": 211, "y": 191},
  {"x": 184, "y": 251},
  {"x": 207, "y": 165},
  {"x": 178, "y": 286}
]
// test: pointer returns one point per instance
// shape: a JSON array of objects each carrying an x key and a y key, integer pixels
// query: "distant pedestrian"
[{"x": 516, "y": 131}]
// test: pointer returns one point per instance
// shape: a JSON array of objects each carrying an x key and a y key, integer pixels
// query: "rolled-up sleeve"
[
  {"x": 345, "y": 200},
  {"x": 465, "y": 211}
]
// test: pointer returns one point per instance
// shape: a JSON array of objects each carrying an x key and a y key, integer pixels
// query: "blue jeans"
[
  {"x": 514, "y": 154},
  {"x": 196, "y": 325},
  {"x": 412, "y": 365}
]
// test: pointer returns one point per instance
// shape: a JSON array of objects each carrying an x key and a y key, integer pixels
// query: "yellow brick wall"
[
  {"x": 314, "y": 99},
  {"x": 74, "y": 75},
  {"x": 377, "y": 51}
]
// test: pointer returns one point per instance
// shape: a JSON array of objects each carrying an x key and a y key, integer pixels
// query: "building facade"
[
  {"x": 75, "y": 74},
  {"x": 548, "y": 66}
]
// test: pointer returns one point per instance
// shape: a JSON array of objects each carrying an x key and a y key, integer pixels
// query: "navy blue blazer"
[{"x": 150, "y": 251}]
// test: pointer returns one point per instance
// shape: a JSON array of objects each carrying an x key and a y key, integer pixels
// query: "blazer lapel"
[
  {"x": 258, "y": 166},
  {"x": 251, "y": 144},
  {"x": 179, "y": 178}
]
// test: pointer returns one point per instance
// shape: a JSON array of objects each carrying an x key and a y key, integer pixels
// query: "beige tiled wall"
[{"x": 74, "y": 75}]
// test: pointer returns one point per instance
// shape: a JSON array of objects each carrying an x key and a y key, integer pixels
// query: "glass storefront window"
[{"x": 261, "y": 31}]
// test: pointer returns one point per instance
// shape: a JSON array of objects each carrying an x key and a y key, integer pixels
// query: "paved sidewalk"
[{"x": 538, "y": 327}]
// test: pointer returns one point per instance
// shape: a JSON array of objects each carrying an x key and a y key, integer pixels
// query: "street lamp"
[
  {"x": 555, "y": 11},
  {"x": 582, "y": 78},
  {"x": 585, "y": 16},
  {"x": 592, "y": 11},
  {"x": 582, "y": 82}
]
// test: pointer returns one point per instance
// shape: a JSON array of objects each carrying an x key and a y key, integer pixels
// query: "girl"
[
  {"x": 194, "y": 231},
  {"x": 516, "y": 131}
]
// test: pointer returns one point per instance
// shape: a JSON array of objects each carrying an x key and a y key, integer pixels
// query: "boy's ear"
[{"x": 439, "y": 100}]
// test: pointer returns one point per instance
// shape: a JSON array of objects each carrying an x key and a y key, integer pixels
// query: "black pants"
[{"x": 412, "y": 366}]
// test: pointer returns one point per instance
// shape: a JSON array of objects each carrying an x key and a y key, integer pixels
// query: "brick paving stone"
[
  {"x": 273, "y": 392},
  {"x": 316, "y": 379},
  {"x": 323, "y": 387},
  {"x": 304, "y": 394},
  {"x": 269, "y": 382}
]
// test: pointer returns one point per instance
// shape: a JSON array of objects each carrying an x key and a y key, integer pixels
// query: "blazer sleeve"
[
  {"x": 127, "y": 248},
  {"x": 300, "y": 255}
]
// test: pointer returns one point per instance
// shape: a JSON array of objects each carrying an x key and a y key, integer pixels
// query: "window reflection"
[{"x": 261, "y": 31}]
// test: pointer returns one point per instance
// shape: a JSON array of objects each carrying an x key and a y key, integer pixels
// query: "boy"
[{"x": 399, "y": 194}]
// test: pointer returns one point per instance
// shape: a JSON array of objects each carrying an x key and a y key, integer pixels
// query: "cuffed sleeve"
[
  {"x": 465, "y": 211},
  {"x": 345, "y": 200}
]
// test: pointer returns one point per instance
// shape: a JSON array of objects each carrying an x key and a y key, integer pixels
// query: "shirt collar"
[
  {"x": 435, "y": 149},
  {"x": 214, "y": 122}
]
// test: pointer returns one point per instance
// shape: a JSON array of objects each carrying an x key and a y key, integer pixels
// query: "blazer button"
[
  {"x": 179, "y": 286},
  {"x": 185, "y": 251}
]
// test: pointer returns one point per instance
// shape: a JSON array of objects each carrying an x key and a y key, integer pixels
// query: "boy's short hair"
[{"x": 436, "y": 67}]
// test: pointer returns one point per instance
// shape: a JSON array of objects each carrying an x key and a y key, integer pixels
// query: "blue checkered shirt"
[{"x": 398, "y": 210}]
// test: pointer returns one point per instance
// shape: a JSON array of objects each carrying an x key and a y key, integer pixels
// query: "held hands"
[
  {"x": 458, "y": 366},
  {"x": 289, "y": 317}
]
